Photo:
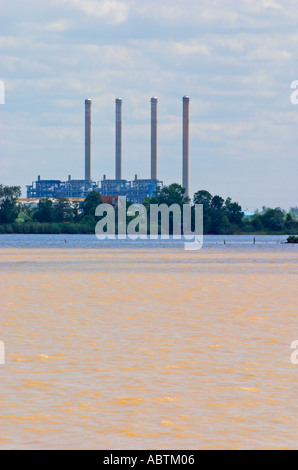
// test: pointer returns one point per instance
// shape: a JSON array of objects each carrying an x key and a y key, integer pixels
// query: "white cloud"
[
  {"x": 57, "y": 26},
  {"x": 267, "y": 53},
  {"x": 192, "y": 47},
  {"x": 271, "y": 4},
  {"x": 236, "y": 60},
  {"x": 113, "y": 11},
  {"x": 10, "y": 42}
]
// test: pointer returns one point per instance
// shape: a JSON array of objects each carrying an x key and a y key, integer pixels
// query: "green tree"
[
  {"x": 217, "y": 203},
  {"x": 76, "y": 211},
  {"x": 294, "y": 212},
  {"x": 44, "y": 211},
  {"x": 25, "y": 214},
  {"x": 289, "y": 222},
  {"x": 273, "y": 219},
  {"x": 257, "y": 222},
  {"x": 219, "y": 221},
  {"x": 90, "y": 204},
  {"x": 173, "y": 194},
  {"x": 205, "y": 198},
  {"x": 9, "y": 196},
  {"x": 168, "y": 195},
  {"x": 220, "y": 216},
  {"x": 63, "y": 210},
  {"x": 234, "y": 212}
]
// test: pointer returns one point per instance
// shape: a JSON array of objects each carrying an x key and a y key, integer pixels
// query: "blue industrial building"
[{"x": 135, "y": 191}]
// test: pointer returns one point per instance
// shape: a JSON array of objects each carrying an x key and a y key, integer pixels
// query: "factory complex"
[{"x": 135, "y": 190}]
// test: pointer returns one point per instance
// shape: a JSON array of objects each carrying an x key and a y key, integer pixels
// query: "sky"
[{"x": 235, "y": 59}]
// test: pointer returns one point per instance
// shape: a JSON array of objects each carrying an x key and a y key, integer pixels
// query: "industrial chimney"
[
  {"x": 185, "y": 164},
  {"x": 88, "y": 140},
  {"x": 118, "y": 139},
  {"x": 154, "y": 138}
]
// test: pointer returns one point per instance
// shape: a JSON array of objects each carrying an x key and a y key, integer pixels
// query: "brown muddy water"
[{"x": 148, "y": 347}]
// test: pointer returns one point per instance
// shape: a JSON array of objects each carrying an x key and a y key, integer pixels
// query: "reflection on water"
[{"x": 142, "y": 346}]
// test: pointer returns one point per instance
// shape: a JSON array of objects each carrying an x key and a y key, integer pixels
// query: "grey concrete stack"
[
  {"x": 185, "y": 152},
  {"x": 154, "y": 138},
  {"x": 88, "y": 140},
  {"x": 118, "y": 175}
]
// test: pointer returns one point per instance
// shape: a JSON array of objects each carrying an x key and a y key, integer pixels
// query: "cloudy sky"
[{"x": 235, "y": 59}]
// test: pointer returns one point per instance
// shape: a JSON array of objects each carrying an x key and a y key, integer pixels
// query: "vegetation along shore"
[{"x": 221, "y": 216}]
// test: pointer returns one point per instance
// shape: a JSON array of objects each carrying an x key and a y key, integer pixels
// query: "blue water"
[{"x": 90, "y": 241}]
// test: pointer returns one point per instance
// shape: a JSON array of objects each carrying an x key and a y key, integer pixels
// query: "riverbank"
[
  {"x": 47, "y": 228},
  {"x": 89, "y": 229}
]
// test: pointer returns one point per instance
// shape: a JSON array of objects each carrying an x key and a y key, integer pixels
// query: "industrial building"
[
  {"x": 135, "y": 190},
  {"x": 56, "y": 188}
]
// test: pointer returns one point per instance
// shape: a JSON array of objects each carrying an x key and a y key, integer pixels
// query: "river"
[{"x": 143, "y": 345}]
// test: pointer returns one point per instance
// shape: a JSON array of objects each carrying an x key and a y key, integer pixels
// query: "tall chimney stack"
[
  {"x": 154, "y": 138},
  {"x": 88, "y": 140},
  {"x": 118, "y": 139},
  {"x": 185, "y": 165}
]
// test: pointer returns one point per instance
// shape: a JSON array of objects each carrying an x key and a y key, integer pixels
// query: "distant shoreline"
[{"x": 37, "y": 228}]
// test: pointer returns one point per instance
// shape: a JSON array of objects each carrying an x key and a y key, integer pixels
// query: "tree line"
[
  {"x": 50, "y": 216},
  {"x": 221, "y": 216}
]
